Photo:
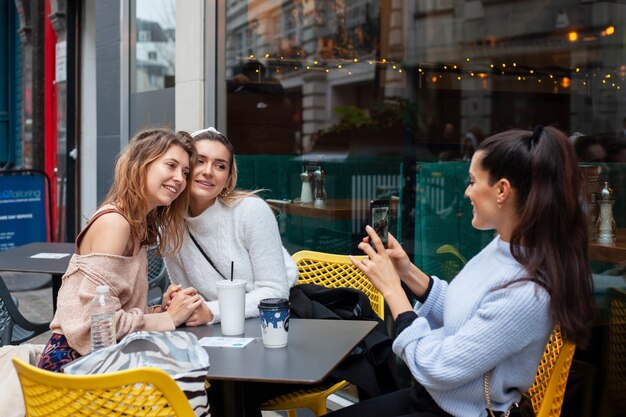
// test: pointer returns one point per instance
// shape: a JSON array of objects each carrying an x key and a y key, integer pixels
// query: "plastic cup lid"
[
  {"x": 274, "y": 303},
  {"x": 229, "y": 283}
]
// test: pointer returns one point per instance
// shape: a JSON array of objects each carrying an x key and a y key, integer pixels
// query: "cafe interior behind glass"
[{"x": 387, "y": 100}]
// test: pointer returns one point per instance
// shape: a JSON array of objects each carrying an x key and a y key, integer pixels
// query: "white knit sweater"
[
  {"x": 472, "y": 326},
  {"x": 246, "y": 234}
]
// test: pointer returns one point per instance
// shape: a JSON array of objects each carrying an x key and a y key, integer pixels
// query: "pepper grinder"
[
  {"x": 306, "y": 195},
  {"x": 320, "y": 189},
  {"x": 605, "y": 227}
]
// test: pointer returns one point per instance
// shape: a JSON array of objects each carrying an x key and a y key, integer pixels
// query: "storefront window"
[
  {"x": 153, "y": 58},
  {"x": 152, "y": 63},
  {"x": 391, "y": 98},
  {"x": 418, "y": 81}
]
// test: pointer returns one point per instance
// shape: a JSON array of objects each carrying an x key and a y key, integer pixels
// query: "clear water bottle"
[{"x": 102, "y": 311}]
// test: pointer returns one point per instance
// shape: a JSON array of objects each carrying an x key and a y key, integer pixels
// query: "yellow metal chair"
[
  {"x": 613, "y": 401},
  {"x": 331, "y": 271},
  {"x": 336, "y": 271},
  {"x": 147, "y": 392},
  {"x": 548, "y": 389}
]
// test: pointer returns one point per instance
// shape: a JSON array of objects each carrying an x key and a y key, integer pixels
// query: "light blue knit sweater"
[{"x": 469, "y": 327}]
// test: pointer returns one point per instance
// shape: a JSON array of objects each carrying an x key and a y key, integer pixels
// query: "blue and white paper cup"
[{"x": 274, "y": 314}]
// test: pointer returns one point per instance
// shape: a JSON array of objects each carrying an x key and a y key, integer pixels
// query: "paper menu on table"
[
  {"x": 236, "y": 342},
  {"x": 47, "y": 255}
]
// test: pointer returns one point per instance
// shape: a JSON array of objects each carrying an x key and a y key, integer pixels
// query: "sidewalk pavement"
[{"x": 36, "y": 305}]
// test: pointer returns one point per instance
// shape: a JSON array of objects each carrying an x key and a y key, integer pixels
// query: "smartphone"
[{"x": 379, "y": 218}]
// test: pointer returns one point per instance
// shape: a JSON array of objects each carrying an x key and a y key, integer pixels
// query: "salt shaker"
[
  {"x": 320, "y": 189},
  {"x": 605, "y": 227},
  {"x": 306, "y": 195}
]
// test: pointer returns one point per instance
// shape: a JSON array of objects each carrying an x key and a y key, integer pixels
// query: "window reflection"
[
  {"x": 391, "y": 99},
  {"x": 153, "y": 51},
  {"x": 451, "y": 73}
]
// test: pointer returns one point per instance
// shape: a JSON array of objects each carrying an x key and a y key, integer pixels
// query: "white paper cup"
[
  {"x": 274, "y": 313},
  {"x": 231, "y": 297}
]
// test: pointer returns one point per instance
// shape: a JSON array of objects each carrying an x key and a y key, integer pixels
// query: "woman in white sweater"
[{"x": 227, "y": 225}]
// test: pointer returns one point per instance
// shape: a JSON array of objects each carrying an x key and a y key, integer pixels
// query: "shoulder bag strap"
[
  {"x": 506, "y": 413},
  {"x": 204, "y": 253}
]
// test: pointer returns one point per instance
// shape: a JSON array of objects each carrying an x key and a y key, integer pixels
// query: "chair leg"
[{"x": 320, "y": 407}]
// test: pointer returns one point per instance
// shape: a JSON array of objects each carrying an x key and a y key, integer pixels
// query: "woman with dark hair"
[{"x": 489, "y": 326}]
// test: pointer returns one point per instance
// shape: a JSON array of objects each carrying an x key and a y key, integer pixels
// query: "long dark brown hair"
[{"x": 550, "y": 239}]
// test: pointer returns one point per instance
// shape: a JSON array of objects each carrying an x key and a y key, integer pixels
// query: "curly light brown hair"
[{"x": 163, "y": 225}]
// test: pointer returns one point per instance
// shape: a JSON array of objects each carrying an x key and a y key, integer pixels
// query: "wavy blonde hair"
[
  {"x": 230, "y": 196},
  {"x": 164, "y": 224}
]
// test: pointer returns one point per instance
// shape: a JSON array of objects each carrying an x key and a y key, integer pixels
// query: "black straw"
[{"x": 232, "y": 266}]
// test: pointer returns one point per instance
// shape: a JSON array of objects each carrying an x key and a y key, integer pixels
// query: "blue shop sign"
[{"x": 22, "y": 210}]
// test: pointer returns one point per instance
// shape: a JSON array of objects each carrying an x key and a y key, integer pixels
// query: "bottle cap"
[
  {"x": 102, "y": 289},
  {"x": 607, "y": 192}
]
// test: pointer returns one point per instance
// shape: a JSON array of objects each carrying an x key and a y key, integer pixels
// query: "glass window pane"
[
  {"x": 418, "y": 81},
  {"x": 153, "y": 45},
  {"x": 391, "y": 99},
  {"x": 152, "y": 64}
]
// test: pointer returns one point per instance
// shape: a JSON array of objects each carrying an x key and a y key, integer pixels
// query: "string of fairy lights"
[{"x": 438, "y": 72}]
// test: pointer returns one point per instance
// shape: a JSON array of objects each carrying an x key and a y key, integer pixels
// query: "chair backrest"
[
  {"x": 156, "y": 268},
  {"x": 615, "y": 357},
  {"x": 146, "y": 392},
  {"x": 548, "y": 389},
  {"x": 336, "y": 271},
  {"x": 6, "y": 322},
  {"x": 157, "y": 276},
  {"x": 14, "y": 327}
]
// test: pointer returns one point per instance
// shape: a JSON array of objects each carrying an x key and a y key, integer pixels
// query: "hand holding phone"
[{"x": 379, "y": 218}]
